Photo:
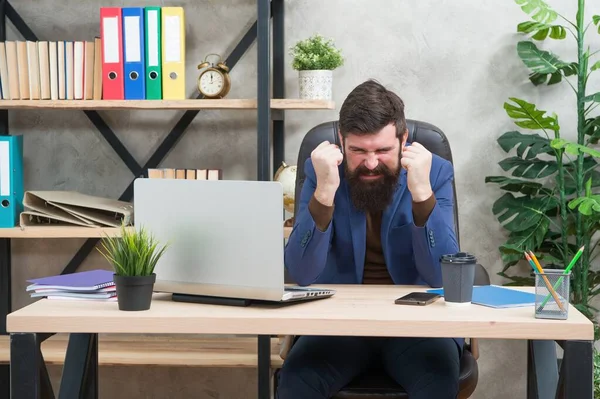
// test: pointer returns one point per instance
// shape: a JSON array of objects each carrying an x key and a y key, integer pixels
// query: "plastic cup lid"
[{"x": 458, "y": 258}]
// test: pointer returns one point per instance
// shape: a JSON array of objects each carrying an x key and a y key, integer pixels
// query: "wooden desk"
[{"x": 354, "y": 310}]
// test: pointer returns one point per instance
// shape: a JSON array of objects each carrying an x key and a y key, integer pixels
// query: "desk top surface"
[{"x": 353, "y": 310}]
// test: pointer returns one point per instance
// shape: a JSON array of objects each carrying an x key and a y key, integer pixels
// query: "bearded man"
[{"x": 378, "y": 210}]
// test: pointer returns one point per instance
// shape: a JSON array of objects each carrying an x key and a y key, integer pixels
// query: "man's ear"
[
  {"x": 341, "y": 141},
  {"x": 404, "y": 138}
]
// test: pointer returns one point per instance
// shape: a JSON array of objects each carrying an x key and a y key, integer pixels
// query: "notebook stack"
[{"x": 94, "y": 285}]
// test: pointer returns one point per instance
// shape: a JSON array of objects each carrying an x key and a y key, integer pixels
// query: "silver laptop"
[{"x": 225, "y": 239}]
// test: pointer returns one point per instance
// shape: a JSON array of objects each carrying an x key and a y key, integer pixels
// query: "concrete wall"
[{"x": 453, "y": 62}]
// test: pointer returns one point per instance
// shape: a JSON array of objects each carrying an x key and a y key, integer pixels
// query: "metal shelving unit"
[{"x": 270, "y": 135}]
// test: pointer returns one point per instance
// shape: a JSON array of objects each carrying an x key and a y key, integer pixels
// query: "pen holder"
[{"x": 553, "y": 302}]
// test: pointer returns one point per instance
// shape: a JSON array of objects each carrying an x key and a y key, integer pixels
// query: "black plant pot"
[{"x": 134, "y": 292}]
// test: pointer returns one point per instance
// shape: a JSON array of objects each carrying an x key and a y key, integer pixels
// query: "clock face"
[{"x": 211, "y": 82}]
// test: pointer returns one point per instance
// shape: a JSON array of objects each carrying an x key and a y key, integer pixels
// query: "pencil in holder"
[{"x": 552, "y": 294}]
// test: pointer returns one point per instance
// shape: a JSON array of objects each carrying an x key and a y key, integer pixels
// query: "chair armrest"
[
  {"x": 285, "y": 344},
  {"x": 481, "y": 275}
]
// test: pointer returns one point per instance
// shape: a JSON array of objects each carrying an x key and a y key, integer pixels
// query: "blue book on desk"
[{"x": 498, "y": 297}]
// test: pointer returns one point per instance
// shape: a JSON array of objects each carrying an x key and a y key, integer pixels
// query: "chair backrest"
[{"x": 430, "y": 136}]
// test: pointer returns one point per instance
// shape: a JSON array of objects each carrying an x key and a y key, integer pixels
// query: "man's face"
[{"x": 372, "y": 166}]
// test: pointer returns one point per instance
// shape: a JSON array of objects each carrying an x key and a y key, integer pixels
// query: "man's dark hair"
[{"x": 369, "y": 108}]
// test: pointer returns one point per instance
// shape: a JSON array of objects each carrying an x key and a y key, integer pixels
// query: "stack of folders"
[
  {"x": 94, "y": 285},
  {"x": 144, "y": 53}
]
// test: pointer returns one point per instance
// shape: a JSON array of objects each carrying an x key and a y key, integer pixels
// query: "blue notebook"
[{"x": 498, "y": 297}]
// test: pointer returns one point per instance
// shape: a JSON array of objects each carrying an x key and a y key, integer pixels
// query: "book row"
[{"x": 139, "y": 55}]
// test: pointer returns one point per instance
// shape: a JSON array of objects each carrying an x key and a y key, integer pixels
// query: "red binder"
[{"x": 112, "y": 53}]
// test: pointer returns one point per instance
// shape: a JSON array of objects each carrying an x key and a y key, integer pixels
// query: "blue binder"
[
  {"x": 134, "y": 62},
  {"x": 11, "y": 180}
]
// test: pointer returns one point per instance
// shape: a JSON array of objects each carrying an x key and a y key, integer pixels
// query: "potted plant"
[
  {"x": 551, "y": 199},
  {"x": 315, "y": 59},
  {"x": 133, "y": 257}
]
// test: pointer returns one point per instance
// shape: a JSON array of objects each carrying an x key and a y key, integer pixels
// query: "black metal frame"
[
  {"x": 260, "y": 31},
  {"x": 573, "y": 379}
]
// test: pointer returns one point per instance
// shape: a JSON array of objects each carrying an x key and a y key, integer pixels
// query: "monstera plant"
[{"x": 550, "y": 200}]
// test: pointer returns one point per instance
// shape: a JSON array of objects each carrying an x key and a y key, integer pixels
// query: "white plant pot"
[{"x": 316, "y": 84}]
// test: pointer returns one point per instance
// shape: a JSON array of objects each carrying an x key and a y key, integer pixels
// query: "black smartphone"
[{"x": 417, "y": 298}]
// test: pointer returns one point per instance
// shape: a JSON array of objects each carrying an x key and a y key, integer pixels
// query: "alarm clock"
[{"x": 214, "y": 80}]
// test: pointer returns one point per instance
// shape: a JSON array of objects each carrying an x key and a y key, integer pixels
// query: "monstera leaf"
[
  {"x": 592, "y": 129},
  {"x": 593, "y": 97},
  {"x": 539, "y": 10},
  {"x": 539, "y": 61},
  {"x": 574, "y": 148},
  {"x": 592, "y": 174},
  {"x": 527, "y": 116},
  {"x": 586, "y": 205},
  {"x": 516, "y": 185},
  {"x": 522, "y": 213},
  {"x": 555, "y": 77},
  {"x": 532, "y": 143},
  {"x": 529, "y": 168},
  {"x": 541, "y": 31}
]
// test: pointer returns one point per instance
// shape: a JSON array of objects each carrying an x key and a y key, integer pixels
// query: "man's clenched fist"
[
  {"x": 416, "y": 159},
  {"x": 326, "y": 158}
]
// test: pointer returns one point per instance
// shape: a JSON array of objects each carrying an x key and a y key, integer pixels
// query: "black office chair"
[{"x": 376, "y": 384}]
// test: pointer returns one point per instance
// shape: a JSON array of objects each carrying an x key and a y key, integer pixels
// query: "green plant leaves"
[
  {"x": 586, "y": 205},
  {"x": 592, "y": 97},
  {"x": 526, "y": 115},
  {"x": 541, "y": 31},
  {"x": 528, "y": 145},
  {"x": 539, "y": 61},
  {"x": 522, "y": 213},
  {"x": 529, "y": 168},
  {"x": 515, "y": 185},
  {"x": 596, "y": 19},
  {"x": 316, "y": 53},
  {"x": 134, "y": 253},
  {"x": 543, "y": 64},
  {"x": 596, "y": 66},
  {"x": 573, "y": 148},
  {"x": 539, "y": 10}
]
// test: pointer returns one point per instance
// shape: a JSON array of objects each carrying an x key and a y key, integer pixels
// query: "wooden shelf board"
[
  {"x": 69, "y": 232},
  {"x": 160, "y": 350},
  {"x": 290, "y": 104}
]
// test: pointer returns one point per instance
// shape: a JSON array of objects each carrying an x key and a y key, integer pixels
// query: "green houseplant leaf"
[
  {"x": 532, "y": 168},
  {"x": 596, "y": 19},
  {"x": 574, "y": 148},
  {"x": 527, "y": 116},
  {"x": 539, "y": 10},
  {"x": 539, "y": 61},
  {"x": 528, "y": 145},
  {"x": 593, "y": 97},
  {"x": 515, "y": 185},
  {"x": 586, "y": 205},
  {"x": 522, "y": 213},
  {"x": 541, "y": 31}
]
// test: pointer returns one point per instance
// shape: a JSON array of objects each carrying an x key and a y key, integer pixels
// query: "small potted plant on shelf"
[
  {"x": 315, "y": 59},
  {"x": 133, "y": 256}
]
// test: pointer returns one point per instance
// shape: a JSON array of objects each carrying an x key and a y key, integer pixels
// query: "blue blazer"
[{"x": 337, "y": 255}]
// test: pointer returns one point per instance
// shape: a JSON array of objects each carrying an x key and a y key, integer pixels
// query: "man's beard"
[{"x": 372, "y": 195}]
